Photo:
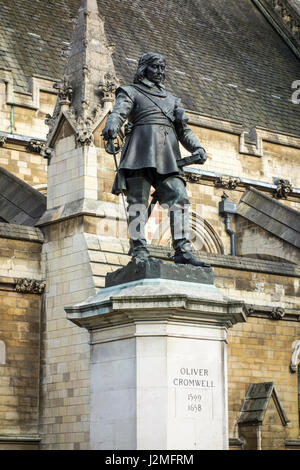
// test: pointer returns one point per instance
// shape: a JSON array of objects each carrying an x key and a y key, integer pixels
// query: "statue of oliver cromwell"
[{"x": 156, "y": 125}]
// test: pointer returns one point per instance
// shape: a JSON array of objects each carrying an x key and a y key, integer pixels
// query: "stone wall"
[
  {"x": 260, "y": 351},
  {"x": 30, "y": 167},
  {"x": 21, "y": 304},
  {"x": 65, "y": 348},
  {"x": 20, "y": 125}
]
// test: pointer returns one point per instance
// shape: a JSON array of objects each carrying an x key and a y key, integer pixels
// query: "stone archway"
[
  {"x": 203, "y": 236},
  {"x": 295, "y": 359}
]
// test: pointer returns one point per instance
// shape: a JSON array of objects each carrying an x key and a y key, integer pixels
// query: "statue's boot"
[
  {"x": 172, "y": 192},
  {"x": 179, "y": 223},
  {"x": 138, "y": 189}
]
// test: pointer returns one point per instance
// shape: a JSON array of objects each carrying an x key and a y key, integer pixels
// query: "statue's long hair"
[{"x": 144, "y": 61}]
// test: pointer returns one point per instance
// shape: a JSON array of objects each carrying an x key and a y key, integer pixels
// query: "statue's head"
[{"x": 151, "y": 66}]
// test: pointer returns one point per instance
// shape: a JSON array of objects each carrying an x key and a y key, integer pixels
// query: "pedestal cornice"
[{"x": 157, "y": 300}]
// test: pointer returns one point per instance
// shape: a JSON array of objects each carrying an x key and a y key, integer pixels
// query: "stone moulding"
[
  {"x": 193, "y": 175},
  {"x": 6, "y": 138},
  {"x": 273, "y": 313}
]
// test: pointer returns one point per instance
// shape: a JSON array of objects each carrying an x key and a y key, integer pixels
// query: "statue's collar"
[{"x": 150, "y": 87}]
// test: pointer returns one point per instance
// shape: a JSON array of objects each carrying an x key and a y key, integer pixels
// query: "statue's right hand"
[{"x": 109, "y": 132}]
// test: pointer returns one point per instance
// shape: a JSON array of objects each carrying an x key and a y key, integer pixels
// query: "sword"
[{"x": 112, "y": 146}]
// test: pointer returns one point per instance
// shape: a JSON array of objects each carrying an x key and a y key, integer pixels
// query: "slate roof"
[
  {"x": 271, "y": 215},
  {"x": 20, "y": 204},
  {"x": 224, "y": 58},
  {"x": 256, "y": 403}
]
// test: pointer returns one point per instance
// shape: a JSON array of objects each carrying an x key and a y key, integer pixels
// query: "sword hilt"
[{"x": 112, "y": 145}]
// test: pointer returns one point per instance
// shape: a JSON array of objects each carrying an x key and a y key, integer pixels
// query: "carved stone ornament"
[
  {"x": 30, "y": 286},
  {"x": 284, "y": 188},
  {"x": 192, "y": 177},
  {"x": 227, "y": 182},
  {"x": 250, "y": 310},
  {"x": 108, "y": 88},
  {"x": 291, "y": 23},
  {"x": 65, "y": 91},
  {"x": 35, "y": 146},
  {"x": 277, "y": 313},
  {"x": 84, "y": 133},
  {"x": 46, "y": 152},
  {"x": 51, "y": 121},
  {"x": 2, "y": 141},
  {"x": 295, "y": 359}
]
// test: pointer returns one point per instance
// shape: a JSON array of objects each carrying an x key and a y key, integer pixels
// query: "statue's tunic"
[{"x": 154, "y": 130}]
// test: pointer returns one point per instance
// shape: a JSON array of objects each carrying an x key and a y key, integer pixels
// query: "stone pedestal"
[{"x": 158, "y": 353}]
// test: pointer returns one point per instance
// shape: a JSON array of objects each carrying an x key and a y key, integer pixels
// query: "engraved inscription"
[
  {"x": 190, "y": 377},
  {"x": 194, "y": 403},
  {"x": 194, "y": 390}
]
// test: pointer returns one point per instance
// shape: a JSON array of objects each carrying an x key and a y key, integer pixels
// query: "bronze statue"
[{"x": 150, "y": 155}]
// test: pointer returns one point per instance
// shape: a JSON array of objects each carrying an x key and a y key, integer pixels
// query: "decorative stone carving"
[
  {"x": 64, "y": 90},
  {"x": 286, "y": 14},
  {"x": 277, "y": 313},
  {"x": 192, "y": 177},
  {"x": 51, "y": 121},
  {"x": 283, "y": 189},
  {"x": 47, "y": 152},
  {"x": 35, "y": 146},
  {"x": 30, "y": 286},
  {"x": 84, "y": 132},
  {"x": 295, "y": 359},
  {"x": 250, "y": 310},
  {"x": 2, "y": 141},
  {"x": 227, "y": 182},
  {"x": 108, "y": 88}
]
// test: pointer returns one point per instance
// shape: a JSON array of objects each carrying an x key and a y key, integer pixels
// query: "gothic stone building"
[{"x": 235, "y": 65}]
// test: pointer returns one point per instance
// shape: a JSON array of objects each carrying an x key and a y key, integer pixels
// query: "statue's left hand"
[{"x": 202, "y": 155}]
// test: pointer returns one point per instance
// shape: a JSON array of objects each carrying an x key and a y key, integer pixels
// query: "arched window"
[
  {"x": 2, "y": 353},
  {"x": 203, "y": 237}
]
